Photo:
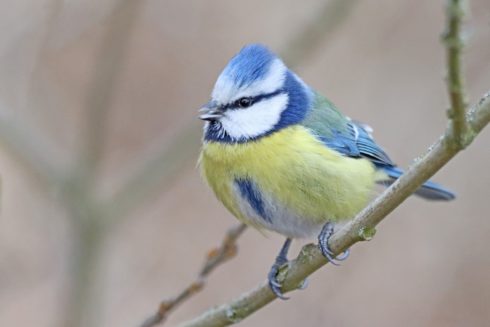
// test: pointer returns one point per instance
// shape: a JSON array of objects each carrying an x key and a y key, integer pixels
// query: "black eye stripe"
[{"x": 254, "y": 100}]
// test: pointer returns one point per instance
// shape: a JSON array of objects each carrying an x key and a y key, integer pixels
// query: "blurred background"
[{"x": 104, "y": 213}]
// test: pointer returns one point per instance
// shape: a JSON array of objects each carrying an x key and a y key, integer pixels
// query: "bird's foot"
[
  {"x": 325, "y": 234},
  {"x": 281, "y": 259},
  {"x": 274, "y": 284}
]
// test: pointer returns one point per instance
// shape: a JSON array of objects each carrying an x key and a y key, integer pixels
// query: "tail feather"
[{"x": 429, "y": 190}]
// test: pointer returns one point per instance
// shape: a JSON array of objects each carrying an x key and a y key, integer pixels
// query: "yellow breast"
[{"x": 296, "y": 169}]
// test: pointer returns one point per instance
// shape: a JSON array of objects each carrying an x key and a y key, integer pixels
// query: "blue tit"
[{"x": 281, "y": 157}]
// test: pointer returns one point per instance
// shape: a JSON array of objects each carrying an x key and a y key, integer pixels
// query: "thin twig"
[
  {"x": 455, "y": 82},
  {"x": 361, "y": 228},
  {"x": 226, "y": 251}
]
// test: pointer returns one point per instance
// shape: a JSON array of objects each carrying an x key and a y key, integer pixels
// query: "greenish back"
[{"x": 324, "y": 119}]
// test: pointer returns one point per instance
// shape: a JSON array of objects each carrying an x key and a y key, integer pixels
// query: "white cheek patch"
[
  {"x": 225, "y": 90},
  {"x": 256, "y": 120}
]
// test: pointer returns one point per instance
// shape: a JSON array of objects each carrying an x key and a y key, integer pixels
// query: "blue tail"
[{"x": 429, "y": 190}]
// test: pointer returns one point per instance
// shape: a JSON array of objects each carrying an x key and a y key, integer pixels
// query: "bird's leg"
[
  {"x": 323, "y": 238},
  {"x": 272, "y": 276}
]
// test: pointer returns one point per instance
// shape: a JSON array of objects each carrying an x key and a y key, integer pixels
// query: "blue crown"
[{"x": 249, "y": 65}]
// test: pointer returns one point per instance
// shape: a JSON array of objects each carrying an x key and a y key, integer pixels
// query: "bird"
[{"x": 281, "y": 157}]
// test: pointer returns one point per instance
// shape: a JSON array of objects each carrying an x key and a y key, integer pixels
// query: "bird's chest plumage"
[{"x": 288, "y": 181}]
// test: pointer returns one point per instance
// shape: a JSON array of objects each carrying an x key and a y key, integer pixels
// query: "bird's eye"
[{"x": 244, "y": 102}]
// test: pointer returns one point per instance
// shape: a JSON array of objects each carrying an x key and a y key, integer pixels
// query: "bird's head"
[{"x": 254, "y": 96}]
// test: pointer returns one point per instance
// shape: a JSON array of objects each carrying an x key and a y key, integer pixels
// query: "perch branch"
[{"x": 226, "y": 251}]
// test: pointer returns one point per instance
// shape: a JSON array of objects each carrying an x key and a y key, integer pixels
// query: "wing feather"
[{"x": 342, "y": 134}]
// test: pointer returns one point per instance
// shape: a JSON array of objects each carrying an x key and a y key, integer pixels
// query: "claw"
[
  {"x": 274, "y": 284},
  {"x": 344, "y": 255},
  {"x": 304, "y": 284},
  {"x": 281, "y": 259},
  {"x": 323, "y": 238}
]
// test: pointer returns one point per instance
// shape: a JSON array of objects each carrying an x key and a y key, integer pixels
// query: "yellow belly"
[{"x": 295, "y": 169}]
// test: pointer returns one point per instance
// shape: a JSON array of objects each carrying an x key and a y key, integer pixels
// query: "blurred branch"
[
  {"x": 455, "y": 81},
  {"x": 23, "y": 144},
  {"x": 109, "y": 64},
  {"x": 79, "y": 196},
  {"x": 158, "y": 168},
  {"x": 325, "y": 22},
  {"x": 361, "y": 228},
  {"x": 19, "y": 140},
  {"x": 226, "y": 251},
  {"x": 55, "y": 9}
]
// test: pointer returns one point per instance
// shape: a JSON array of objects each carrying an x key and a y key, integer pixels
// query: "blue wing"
[
  {"x": 357, "y": 142},
  {"x": 338, "y": 132},
  {"x": 354, "y": 139}
]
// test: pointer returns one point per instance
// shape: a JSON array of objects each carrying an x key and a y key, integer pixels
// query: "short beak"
[{"x": 211, "y": 111}]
